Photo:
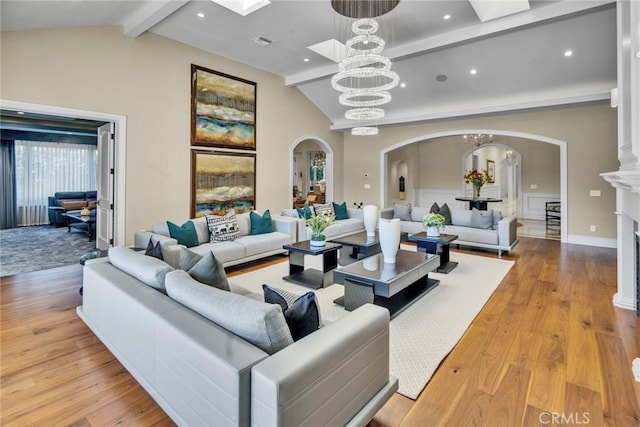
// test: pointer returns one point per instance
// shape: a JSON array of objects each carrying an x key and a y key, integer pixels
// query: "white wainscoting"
[
  {"x": 533, "y": 204},
  {"x": 427, "y": 197}
]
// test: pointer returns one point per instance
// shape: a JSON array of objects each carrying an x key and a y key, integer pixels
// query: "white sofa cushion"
[
  {"x": 461, "y": 217},
  {"x": 481, "y": 219},
  {"x": 259, "y": 243},
  {"x": 147, "y": 269},
  {"x": 418, "y": 213},
  {"x": 260, "y": 323},
  {"x": 470, "y": 234},
  {"x": 202, "y": 230},
  {"x": 224, "y": 251}
]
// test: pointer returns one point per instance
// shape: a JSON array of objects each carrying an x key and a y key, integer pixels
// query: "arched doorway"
[
  {"x": 306, "y": 164},
  {"x": 386, "y": 183}
]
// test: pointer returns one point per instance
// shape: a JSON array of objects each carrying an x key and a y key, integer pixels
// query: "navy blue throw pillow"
[{"x": 302, "y": 313}]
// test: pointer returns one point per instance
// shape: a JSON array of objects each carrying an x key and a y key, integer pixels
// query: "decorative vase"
[
  {"x": 389, "y": 234},
  {"x": 318, "y": 241},
  {"x": 85, "y": 212},
  {"x": 370, "y": 216},
  {"x": 433, "y": 231},
  {"x": 476, "y": 191}
]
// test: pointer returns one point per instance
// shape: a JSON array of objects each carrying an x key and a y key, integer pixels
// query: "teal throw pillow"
[
  {"x": 185, "y": 234},
  {"x": 260, "y": 224},
  {"x": 305, "y": 212},
  {"x": 340, "y": 210}
]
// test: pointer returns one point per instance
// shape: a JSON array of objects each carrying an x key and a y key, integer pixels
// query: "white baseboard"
[
  {"x": 592, "y": 241},
  {"x": 627, "y": 304}
]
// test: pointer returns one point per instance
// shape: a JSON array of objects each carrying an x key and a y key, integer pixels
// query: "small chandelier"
[
  {"x": 479, "y": 138},
  {"x": 364, "y": 76}
]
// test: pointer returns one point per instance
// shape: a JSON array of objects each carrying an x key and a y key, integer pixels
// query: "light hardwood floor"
[{"x": 548, "y": 349}]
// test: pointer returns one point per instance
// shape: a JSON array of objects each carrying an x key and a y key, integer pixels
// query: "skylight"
[{"x": 242, "y": 7}]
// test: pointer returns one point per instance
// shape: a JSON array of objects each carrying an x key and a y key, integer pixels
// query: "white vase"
[
  {"x": 317, "y": 243},
  {"x": 370, "y": 216},
  {"x": 389, "y": 234},
  {"x": 433, "y": 231}
]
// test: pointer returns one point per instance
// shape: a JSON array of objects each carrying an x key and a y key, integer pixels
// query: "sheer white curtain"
[{"x": 43, "y": 168}]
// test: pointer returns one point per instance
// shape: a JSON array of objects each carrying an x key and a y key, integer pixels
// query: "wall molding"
[
  {"x": 602, "y": 242},
  {"x": 533, "y": 204}
]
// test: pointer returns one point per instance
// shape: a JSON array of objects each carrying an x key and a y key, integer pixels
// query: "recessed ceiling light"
[
  {"x": 403, "y": 84},
  {"x": 446, "y": 17},
  {"x": 441, "y": 78},
  {"x": 568, "y": 52},
  {"x": 200, "y": 15},
  {"x": 473, "y": 71},
  {"x": 306, "y": 59},
  {"x": 21, "y": 112}
]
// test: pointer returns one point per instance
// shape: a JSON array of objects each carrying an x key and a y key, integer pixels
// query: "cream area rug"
[{"x": 422, "y": 335}]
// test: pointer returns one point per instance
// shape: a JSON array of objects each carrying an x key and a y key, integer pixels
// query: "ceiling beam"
[
  {"x": 149, "y": 15},
  {"x": 553, "y": 11}
]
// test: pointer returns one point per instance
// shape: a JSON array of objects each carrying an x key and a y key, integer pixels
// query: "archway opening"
[{"x": 311, "y": 171}]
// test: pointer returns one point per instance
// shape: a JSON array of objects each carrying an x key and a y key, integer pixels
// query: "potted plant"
[
  {"x": 317, "y": 224},
  {"x": 433, "y": 223}
]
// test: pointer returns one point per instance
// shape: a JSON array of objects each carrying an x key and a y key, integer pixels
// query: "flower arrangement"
[
  {"x": 433, "y": 220},
  {"x": 478, "y": 179},
  {"x": 318, "y": 223}
]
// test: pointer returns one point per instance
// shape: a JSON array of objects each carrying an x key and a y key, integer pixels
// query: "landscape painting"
[
  {"x": 222, "y": 181},
  {"x": 223, "y": 110}
]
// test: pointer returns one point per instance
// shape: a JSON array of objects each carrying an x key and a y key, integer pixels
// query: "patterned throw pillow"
[
  {"x": 223, "y": 228},
  {"x": 325, "y": 209},
  {"x": 302, "y": 312}
]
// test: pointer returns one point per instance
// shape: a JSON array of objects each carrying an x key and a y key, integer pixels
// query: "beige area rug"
[{"x": 422, "y": 335}]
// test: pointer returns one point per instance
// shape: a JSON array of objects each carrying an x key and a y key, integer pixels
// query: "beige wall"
[
  {"x": 590, "y": 133},
  {"x": 147, "y": 79}
]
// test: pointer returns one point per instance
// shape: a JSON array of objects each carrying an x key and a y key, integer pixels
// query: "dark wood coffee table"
[
  {"x": 84, "y": 223},
  {"x": 361, "y": 245},
  {"x": 393, "y": 286},
  {"x": 436, "y": 245},
  {"x": 310, "y": 277}
]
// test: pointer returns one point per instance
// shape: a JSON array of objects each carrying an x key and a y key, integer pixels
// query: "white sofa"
[
  {"x": 340, "y": 228},
  {"x": 200, "y": 373},
  {"x": 501, "y": 235},
  {"x": 243, "y": 249}
]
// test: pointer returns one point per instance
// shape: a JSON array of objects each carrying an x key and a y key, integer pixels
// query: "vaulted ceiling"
[{"x": 521, "y": 59}]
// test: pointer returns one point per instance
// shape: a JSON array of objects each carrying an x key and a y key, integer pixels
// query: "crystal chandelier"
[
  {"x": 479, "y": 138},
  {"x": 365, "y": 76}
]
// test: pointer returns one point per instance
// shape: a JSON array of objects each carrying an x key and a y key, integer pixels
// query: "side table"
[
  {"x": 436, "y": 245},
  {"x": 311, "y": 277}
]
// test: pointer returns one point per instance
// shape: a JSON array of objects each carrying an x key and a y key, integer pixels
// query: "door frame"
[
  {"x": 120, "y": 150},
  {"x": 564, "y": 232},
  {"x": 324, "y": 145}
]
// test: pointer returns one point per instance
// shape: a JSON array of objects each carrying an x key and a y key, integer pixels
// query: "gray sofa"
[
  {"x": 340, "y": 228},
  {"x": 500, "y": 234},
  {"x": 200, "y": 373},
  {"x": 246, "y": 248}
]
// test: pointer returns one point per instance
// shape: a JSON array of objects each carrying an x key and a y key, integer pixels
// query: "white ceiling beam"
[
  {"x": 555, "y": 10},
  {"x": 566, "y": 96},
  {"x": 149, "y": 15}
]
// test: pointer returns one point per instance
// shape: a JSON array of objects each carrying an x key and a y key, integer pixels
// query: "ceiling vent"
[{"x": 262, "y": 41}]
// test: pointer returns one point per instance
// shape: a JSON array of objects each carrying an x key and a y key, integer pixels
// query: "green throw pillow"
[
  {"x": 184, "y": 234},
  {"x": 260, "y": 224},
  {"x": 305, "y": 212},
  {"x": 340, "y": 210}
]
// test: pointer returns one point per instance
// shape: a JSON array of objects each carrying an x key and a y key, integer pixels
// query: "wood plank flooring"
[{"x": 549, "y": 348}]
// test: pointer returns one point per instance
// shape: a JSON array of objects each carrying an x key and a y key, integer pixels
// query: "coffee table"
[
  {"x": 361, "y": 246},
  {"x": 393, "y": 286},
  {"x": 85, "y": 223},
  {"x": 310, "y": 277},
  {"x": 436, "y": 245}
]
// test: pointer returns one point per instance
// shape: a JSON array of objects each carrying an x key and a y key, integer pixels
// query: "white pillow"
[
  {"x": 147, "y": 269},
  {"x": 481, "y": 219}
]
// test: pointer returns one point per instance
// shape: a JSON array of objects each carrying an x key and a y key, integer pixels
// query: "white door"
[{"x": 106, "y": 174}]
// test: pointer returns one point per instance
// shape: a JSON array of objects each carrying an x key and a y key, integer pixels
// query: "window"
[{"x": 43, "y": 168}]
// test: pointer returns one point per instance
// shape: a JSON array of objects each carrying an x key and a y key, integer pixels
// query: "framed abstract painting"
[
  {"x": 223, "y": 110},
  {"x": 221, "y": 181}
]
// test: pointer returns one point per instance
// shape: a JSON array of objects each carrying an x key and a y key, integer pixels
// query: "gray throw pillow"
[
  {"x": 446, "y": 213},
  {"x": 154, "y": 250},
  {"x": 481, "y": 219},
  {"x": 259, "y": 323},
  {"x": 402, "y": 212},
  {"x": 205, "y": 268},
  {"x": 302, "y": 312}
]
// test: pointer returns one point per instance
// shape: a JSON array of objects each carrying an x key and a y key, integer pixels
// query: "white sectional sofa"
[
  {"x": 340, "y": 228},
  {"x": 201, "y": 374},
  {"x": 500, "y": 235},
  {"x": 243, "y": 249}
]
